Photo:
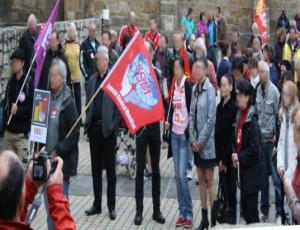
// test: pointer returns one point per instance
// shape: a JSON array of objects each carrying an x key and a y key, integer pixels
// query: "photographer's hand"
[
  {"x": 53, "y": 154},
  {"x": 57, "y": 176},
  {"x": 37, "y": 184}
]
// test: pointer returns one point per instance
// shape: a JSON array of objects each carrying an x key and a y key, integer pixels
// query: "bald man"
[
  {"x": 27, "y": 41},
  {"x": 130, "y": 28},
  {"x": 17, "y": 191},
  {"x": 88, "y": 50}
]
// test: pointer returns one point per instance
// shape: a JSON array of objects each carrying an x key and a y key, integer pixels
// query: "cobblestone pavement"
[{"x": 81, "y": 198}]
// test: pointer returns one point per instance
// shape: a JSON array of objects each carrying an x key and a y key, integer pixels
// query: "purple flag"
[{"x": 41, "y": 44}]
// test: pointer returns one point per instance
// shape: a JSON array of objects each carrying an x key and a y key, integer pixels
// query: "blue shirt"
[{"x": 211, "y": 33}]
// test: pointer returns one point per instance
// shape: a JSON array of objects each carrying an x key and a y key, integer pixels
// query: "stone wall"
[
  {"x": 17, "y": 11},
  {"x": 9, "y": 40}
]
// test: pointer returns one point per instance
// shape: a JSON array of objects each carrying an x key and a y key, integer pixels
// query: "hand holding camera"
[{"x": 44, "y": 168}]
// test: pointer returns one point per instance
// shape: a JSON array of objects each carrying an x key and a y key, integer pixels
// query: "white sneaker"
[
  {"x": 279, "y": 220},
  {"x": 263, "y": 218},
  {"x": 189, "y": 174}
]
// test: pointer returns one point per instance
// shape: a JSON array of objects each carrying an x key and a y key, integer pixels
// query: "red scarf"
[
  {"x": 296, "y": 180},
  {"x": 239, "y": 132}
]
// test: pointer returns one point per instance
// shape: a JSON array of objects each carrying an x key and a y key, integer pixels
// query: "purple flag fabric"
[{"x": 41, "y": 44}]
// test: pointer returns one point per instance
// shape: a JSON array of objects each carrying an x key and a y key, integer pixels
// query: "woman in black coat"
[
  {"x": 226, "y": 113},
  {"x": 246, "y": 151}
]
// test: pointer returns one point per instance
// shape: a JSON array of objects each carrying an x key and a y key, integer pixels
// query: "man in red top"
[
  {"x": 152, "y": 34},
  {"x": 14, "y": 198},
  {"x": 130, "y": 28}
]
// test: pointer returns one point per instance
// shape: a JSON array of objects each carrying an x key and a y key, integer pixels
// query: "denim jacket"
[
  {"x": 267, "y": 108},
  {"x": 203, "y": 129}
]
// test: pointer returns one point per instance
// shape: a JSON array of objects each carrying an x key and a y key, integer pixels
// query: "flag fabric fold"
[
  {"x": 260, "y": 17},
  {"x": 133, "y": 86},
  {"x": 41, "y": 44}
]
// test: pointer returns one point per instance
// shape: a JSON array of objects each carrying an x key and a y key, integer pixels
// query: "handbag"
[{"x": 221, "y": 211}]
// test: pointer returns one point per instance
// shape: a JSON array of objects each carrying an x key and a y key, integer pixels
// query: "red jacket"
[
  {"x": 126, "y": 30},
  {"x": 155, "y": 38},
  {"x": 58, "y": 208}
]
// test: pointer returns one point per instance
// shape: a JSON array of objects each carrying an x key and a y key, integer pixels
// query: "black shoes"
[
  {"x": 92, "y": 211},
  {"x": 204, "y": 222},
  {"x": 138, "y": 219},
  {"x": 159, "y": 218},
  {"x": 112, "y": 214}
]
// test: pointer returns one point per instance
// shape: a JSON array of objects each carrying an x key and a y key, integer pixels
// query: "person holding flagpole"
[
  {"x": 150, "y": 136},
  {"x": 102, "y": 120},
  {"x": 17, "y": 131}
]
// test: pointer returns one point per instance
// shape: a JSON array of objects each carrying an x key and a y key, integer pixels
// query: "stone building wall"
[
  {"x": 9, "y": 40},
  {"x": 238, "y": 14}
]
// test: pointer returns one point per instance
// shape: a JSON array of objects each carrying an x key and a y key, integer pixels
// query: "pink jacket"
[{"x": 201, "y": 27}]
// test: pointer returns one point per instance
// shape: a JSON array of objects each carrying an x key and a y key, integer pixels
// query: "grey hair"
[
  {"x": 200, "y": 42},
  {"x": 104, "y": 51},
  {"x": 72, "y": 26},
  {"x": 31, "y": 18},
  {"x": 266, "y": 66},
  {"x": 179, "y": 33},
  {"x": 62, "y": 68}
]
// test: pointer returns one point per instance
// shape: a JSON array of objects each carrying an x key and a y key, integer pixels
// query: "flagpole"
[
  {"x": 101, "y": 86},
  {"x": 27, "y": 75}
]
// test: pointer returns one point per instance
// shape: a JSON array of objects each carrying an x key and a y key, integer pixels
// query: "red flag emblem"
[{"x": 132, "y": 85}]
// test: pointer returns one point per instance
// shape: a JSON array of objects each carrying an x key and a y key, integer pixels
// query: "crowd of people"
[{"x": 255, "y": 126}]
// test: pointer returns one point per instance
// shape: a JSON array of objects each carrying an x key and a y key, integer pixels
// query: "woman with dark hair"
[
  {"x": 211, "y": 53},
  {"x": 283, "y": 21},
  {"x": 285, "y": 76},
  {"x": 202, "y": 25},
  {"x": 224, "y": 66},
  {"x": 246, "y": 151},
  {"x": 188, "y": 24},
  {"x": 202, "y": 126},
  {"x": 178, "y": 123},
  {"x": 268, "y": 55},
  {"x": 226, "y": 112},
  {"x": 125, "y": 41}
]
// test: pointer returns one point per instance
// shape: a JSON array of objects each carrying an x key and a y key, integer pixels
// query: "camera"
[{"x": 39, "y": 169}]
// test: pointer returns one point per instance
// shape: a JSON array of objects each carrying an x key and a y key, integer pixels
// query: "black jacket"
[
  {"x": 44, "y": 83},
  {"x": 253, "y": 93},
  {"x": 67, "y": 148},
  {"x": 170, "y": 65},
  {"x": 225, "y": 118},
  {"x": 87, "y": 57},
  {"x": 250, "y": 156},
  {"x": 21, "y": 122},
  {"x": 211, "y": 55},
  {"x": 188, "y": 97},
  {"x": 117, "y": 48},
  {"x": 111, "y": 116},
  {"x": 26, "y": 44}
]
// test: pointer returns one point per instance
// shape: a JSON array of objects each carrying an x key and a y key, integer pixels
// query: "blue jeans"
[
  {"x": 66, "y": 184},
  {"x": 190, "y": 162},
  {"x": 180, "y": 150},
  {"x": 268, "y": 166}
]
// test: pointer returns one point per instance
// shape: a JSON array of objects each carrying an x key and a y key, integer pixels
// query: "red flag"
[
  {"x": 132, "y": 85},
  {"x": 187, "y": 69},
  {"x": 260, "y": 17}
]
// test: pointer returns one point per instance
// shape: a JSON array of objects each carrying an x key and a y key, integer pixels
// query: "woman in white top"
[{"x": 286, "y": 153}]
